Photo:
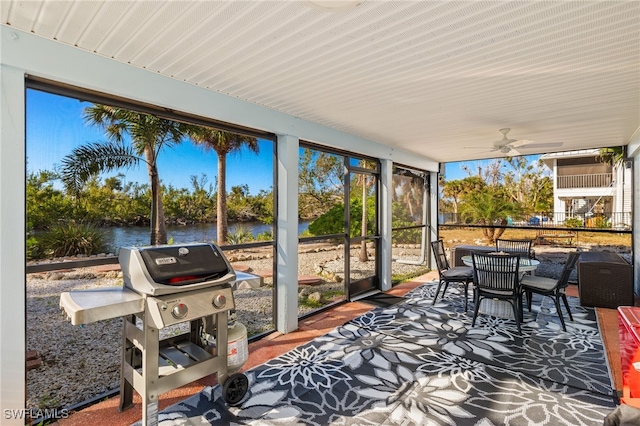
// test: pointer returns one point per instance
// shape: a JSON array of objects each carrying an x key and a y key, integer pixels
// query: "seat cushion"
[
  {"x": 541, "y": 283},
  {"x": 497, "y": 293},
  {"x": 458, "y": 272}
]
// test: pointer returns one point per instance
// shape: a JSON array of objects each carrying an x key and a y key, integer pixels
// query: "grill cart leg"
[
  {"x": 127, "y": 358},
  {"x": 150, "y": 354},
  {"x": 222, "y": 336},
  {"x": 195, "y": 333}
]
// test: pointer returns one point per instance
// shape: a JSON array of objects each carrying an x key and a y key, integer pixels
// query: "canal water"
[{"x": 139, "y": 235}]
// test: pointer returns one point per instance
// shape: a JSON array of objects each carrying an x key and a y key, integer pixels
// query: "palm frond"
[
  {"x": 93, "y": 158},
  {"x": 222, "y": 142},
  {"x": 612, "y": 156}
]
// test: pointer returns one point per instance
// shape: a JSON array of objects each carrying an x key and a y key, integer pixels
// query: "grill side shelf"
[{"x": 87, "y": 306}]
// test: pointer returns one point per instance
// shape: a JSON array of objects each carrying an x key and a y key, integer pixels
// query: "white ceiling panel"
[{"x": 436, "y": 78}]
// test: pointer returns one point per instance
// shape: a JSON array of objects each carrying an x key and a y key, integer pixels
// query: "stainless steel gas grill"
[{"x": 164, "y": 286}]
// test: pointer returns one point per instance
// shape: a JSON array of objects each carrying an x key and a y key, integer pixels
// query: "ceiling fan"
[{"x": 508, "y": 146}]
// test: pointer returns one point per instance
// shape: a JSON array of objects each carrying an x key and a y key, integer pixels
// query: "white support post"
[
  {"x": 559, "y": 206},
  {"x": 386, "y": 197},
  {"x": 559, "y": 215},
  {"x": 433, "y": 215},
  {"x": 633, "y": 151},
  {"x": 287, "y": 235},
  {"x": 12, "y": 246}
]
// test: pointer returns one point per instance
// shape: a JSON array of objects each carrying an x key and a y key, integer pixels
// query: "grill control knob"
[
  {"x": 219, "y": 301},
  {"x": 179, "y": 311}
]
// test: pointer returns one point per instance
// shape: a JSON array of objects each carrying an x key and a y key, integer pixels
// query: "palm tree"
[
  {"x": 366, "y": 182},
  {"x": 613, "y": 156},
  {"x": 223, "y": 143},
  {"x": 457, "y": 190},
  {"x": 149, "y": 135},
  {"x": 488, "y": 207}
]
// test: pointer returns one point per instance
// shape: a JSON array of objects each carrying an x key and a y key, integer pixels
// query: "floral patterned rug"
[{"x": 415, "y": 363}]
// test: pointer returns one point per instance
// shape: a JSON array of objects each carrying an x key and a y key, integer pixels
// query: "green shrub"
[
  {"x": 402, "y": 218},
  {"x": 33, "y": 248},
  {"x": 573, "y": 222},
  {"x": 332, "y": 222},
  {"x": 599, "y": 222},
  {"x": 406, "y": 236},
  {"x": 265, "y": 236},
  {"x": 305, "y": 233},
  {"x": 241, "y": 234},
  {"x": 71, "y": 239}
]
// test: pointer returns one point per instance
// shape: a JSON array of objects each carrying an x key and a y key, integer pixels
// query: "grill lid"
[
  {"x": 167, "y": 269},
  {"x": 182, "y": 265}
]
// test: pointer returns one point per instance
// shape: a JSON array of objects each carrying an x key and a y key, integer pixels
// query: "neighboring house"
[{"x": 588, "y": 189}]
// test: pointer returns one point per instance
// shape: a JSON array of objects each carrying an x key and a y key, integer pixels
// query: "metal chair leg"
[
  {"x": 557, "y": 301},
  {"x": 477, "y": 300},
  {"x": 516, "y": 313},
  {"x": 566, "y": 304},
  {"x": 437, "y": 292},
  {"x": 466, "y": 295}
]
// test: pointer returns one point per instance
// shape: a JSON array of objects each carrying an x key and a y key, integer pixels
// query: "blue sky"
[
  {"x": 454, "y": 171},
  {"x": 55, "y": 126}
]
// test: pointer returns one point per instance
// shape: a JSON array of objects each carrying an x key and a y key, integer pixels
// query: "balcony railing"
[{"x": 597, "y": 180}]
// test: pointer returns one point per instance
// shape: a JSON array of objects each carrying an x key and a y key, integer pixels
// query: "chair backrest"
[
  {"x": 440, "y": 255},
  {"x": 496, "y": 272},
  {"x": 514, "y": 246},
  {"x": 569, "y": 266}
]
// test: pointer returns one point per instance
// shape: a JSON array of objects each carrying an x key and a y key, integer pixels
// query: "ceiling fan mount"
[
  {"x": 511, "y": 146},
  {"x": 504, "y": 145}
]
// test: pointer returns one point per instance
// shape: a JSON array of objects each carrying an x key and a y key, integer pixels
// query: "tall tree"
[
  {"x": 149, "y": 135},
  {"x": 320, "y": 182},
  {"x": 529, "y": 185},
  {"x": 612, "y": 156},
  {"x": 490, "y": 173},
  {"x": 408, "y": 188},
  {"x": 365, "y": 184},
  {"x": 223, "y": 143},
  {"x": 456, "y": 190},
  {"x": 489, "y": 206},
  {"x": 452, "y": 190}
]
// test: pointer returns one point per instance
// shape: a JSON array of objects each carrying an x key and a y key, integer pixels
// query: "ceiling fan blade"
[
  {"x": 483, "y": 148},
  {"x": 540, "y": 145},
  {"x": 504, "y": 141}
]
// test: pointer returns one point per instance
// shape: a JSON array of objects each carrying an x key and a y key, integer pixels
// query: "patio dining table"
[
  {"x": 526, "y": 264},
  {"x": 501, "y": 308}
]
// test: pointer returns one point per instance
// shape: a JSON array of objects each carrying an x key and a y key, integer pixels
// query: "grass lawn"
[{"x": 582, "y": 239}]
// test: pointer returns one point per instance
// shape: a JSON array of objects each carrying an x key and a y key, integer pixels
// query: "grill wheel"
[{"x": 235, "y": 388}]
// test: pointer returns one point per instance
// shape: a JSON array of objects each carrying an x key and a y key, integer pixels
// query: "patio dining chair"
[
  {"x": 497, "y": 277},
  {"x": 450, "y": 274},
  {"x": 521, "y": 247},
  {"x": 552, "y": 287}
]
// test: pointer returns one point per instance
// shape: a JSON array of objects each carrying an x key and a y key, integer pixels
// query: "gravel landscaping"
[{"x": 80, "y": 362}]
